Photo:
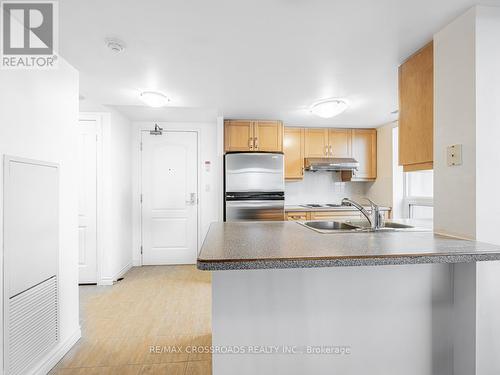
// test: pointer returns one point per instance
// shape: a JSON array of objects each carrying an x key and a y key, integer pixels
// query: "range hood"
[{"x": 331, "y": 164}]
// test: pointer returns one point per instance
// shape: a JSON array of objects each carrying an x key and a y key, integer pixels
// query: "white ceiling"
[{"x": 250, "y": 59}]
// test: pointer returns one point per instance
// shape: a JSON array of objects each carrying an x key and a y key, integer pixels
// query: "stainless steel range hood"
[{"x": 331, "y": 164}]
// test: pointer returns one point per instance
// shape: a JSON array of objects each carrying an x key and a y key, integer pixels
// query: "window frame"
[{"x": 409, "y": 201}]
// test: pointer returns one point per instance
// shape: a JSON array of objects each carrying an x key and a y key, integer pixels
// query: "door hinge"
[
  {"x": 141, "y": 198},
  {"x": 141, "y": 249}
]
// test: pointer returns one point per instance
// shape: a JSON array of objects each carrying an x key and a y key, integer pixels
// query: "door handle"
[
  {"x": 331, "y": 152},
  {"x": 250, "y": 143},
  {"x": 192, "y": 199},
  {"x": 256, "y": 143},
  {"x": 326, "y": 150}
]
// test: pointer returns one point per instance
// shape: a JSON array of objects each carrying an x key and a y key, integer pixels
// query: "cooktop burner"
[{"x": 315, "y": 205}]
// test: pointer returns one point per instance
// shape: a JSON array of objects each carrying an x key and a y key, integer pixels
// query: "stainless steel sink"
[
  {"x": 387, "y": 225},
  {"x": 397, "y": 225},
  {"x": 330, "y": 225},
  {"x": 358, "y": 226}
]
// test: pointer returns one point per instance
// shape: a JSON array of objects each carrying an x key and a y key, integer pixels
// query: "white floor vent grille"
[{"x": 33, "y": 327}]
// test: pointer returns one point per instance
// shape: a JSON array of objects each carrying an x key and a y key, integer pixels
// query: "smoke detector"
[{"x": 115, "y": 45}]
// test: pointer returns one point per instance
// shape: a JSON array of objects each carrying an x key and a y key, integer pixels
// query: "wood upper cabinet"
[
  {"x": 268, "y": 136},
  {"x": 293, "y": 148},
  {"x": 340, "y": 141},
  {"x": 316, "y": 143},
  {"x": 416, "y": 110},
  {"x": 238, "y": 135},
  {"x": 321, "y": 143},
  {"x": 248, "y": 135},
  {"x": 364, "y": 150}
]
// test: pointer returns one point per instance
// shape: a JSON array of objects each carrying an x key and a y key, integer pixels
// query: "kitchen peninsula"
[{"x": 349, "y": 303}]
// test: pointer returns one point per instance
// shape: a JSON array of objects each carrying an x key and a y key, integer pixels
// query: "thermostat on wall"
[{"x": 454, "y": 155}]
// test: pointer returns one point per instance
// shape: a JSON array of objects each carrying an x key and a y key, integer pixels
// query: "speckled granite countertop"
[
  {"x": 257, "y": 245},
  {"x": 297, "y": 208}
]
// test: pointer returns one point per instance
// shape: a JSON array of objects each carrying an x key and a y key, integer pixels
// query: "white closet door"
[
  {"x": 31, "y": 258},
  {"x": 170, "y": 203},
  {"x": 87, "y": 207}
]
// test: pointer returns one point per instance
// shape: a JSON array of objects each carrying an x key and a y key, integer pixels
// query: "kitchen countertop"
[
  {"x": 259, "y": 245},
  {"x": 297, "y": 208}
]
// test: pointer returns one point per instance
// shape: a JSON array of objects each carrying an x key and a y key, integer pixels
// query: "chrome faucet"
[{"x": 374, "y": 217}]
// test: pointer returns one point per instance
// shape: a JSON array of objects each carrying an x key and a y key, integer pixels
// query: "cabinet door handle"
[
  {"x": 256, "y": 143},
  {"x": 250, "y": 143},
  {"x": 326, "y": 150},
  {"x": 331, "y": 152}
]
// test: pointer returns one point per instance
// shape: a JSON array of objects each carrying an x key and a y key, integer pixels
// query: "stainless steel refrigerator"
[{"x": 254, "y": 184}]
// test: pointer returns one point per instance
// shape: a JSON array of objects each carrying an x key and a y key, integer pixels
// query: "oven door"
[{"x": 261, "y": 210}]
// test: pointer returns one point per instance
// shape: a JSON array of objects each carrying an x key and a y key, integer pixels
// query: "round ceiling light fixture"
[
  {"x": 154, "y": 99},
  {"x": 329, "y": 108}
]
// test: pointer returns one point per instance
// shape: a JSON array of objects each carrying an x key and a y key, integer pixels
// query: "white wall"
[
  {"x": 467, "y": 111},
  {"x": 388, "y": 187},
  {"x": 38, "y": 119},
  {"x": 487, "y": 123},
  {"x": 454, "y": 122},
  {"x": 210, "y": 181},
  {"x": 488, "y": 183},
  {"x": 398, "y": 209},
  {"x": 322, "y": 187},
  {"x": 117, "y": 199},
  {"x": 115, "y": 224}
]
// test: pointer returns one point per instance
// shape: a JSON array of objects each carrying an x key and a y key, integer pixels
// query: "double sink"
[{"x": 355, "y": 226}]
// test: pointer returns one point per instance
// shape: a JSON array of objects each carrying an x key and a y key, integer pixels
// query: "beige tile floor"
[{"x": 153, "y": 305}]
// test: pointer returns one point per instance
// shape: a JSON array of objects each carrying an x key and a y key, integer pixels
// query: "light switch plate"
[{"x": 454, "y": 155}]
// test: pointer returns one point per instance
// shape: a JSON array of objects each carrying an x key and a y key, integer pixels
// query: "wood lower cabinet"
[
  {"x": 416, "y": 110},
  {"x": 328, "y": 215},
  {"x": 298, "y": 216},
  {"x": 253, "y": 136},
  {"x": 335, "y": 215},
  {"x": 364, "y": 150},
  {"x": 293, "y": 148}
]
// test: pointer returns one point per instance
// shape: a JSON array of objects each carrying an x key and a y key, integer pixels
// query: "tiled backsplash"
[{"x": 322, "y": 187}]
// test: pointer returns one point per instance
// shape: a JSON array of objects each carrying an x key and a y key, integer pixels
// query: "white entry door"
[
  {"x": 87, "y": 205},
  {"x": 169, "y": 198}
]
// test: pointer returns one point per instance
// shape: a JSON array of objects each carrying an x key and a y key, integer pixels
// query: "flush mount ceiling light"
[
  {"x": 154, "y": 99},
  {"x": 329, "y": 108}
]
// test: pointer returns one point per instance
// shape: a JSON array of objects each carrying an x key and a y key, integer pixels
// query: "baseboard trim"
[
  {"x": 111, "y": 280},
  {"x": 48, "y": 362},
  {"x": 123, "y": 271},
  {"x": 105, "y": 282},
  {"x": 136, "y": 263}
]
